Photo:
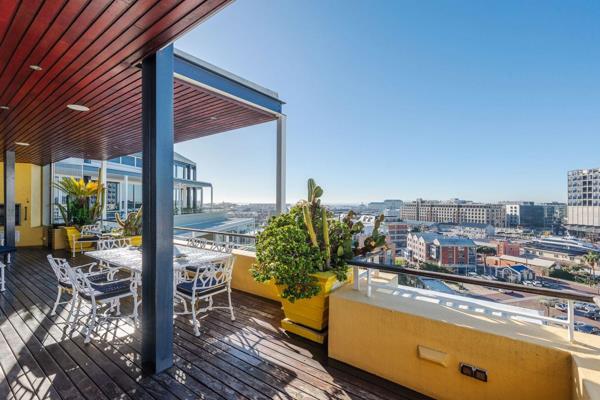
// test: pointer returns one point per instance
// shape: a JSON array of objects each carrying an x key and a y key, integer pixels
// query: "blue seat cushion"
[
  {"x": 110, "y": 290},
  {"x": 186, "y": 288},
  {"x": 92, "y": 279}
]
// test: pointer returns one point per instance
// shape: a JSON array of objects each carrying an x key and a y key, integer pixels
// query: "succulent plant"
[{"x": 132, "y": 224}]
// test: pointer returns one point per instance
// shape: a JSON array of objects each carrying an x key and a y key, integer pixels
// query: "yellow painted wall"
[
  {"x": 372, "y": 335},
  {"x": 242, "y": 279},
  {"x": 28, "y": 193}
]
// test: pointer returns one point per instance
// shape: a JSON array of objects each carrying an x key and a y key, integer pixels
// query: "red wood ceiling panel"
[{"x": 88, "y": 52}]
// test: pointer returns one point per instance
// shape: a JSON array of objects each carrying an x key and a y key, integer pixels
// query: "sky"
[{"x": 485, "y": 101}]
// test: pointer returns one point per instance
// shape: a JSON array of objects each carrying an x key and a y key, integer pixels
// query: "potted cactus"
[
  {"x": 305, "y": 253},
  {"x": 131, "y": 226}
]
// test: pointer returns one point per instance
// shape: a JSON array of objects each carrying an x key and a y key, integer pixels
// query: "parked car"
[
  {"x": 537, "y": 283},
  {"x": 527, "y": 283},
  {"x": 585, "y": 328},
  {"x": 561, "y": 306},
  {"x": 589, "y": 314},
  {"x": 550, "y": 285}
]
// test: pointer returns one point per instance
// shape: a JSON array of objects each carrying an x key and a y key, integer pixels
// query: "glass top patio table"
[{"x": 131, "y": 257}]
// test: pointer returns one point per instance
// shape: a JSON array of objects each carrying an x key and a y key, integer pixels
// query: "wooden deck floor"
[{"x": 249, "y": 358}]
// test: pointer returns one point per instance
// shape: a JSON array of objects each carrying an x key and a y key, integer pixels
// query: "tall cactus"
[
  {"x": 326, "y": 236},
  {"x": 132, "y": 224}
]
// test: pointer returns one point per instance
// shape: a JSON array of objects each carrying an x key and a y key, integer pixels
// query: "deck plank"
[{"x": 249, "y": 358}]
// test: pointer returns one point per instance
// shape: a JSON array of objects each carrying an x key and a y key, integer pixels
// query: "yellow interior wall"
[
  {"x": 28, "y": 193},
  {"x": 384, "y": 341},
  {"x": 242, "y": 278}
]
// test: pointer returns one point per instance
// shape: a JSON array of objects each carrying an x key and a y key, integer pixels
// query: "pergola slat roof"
[{"x": 89, "y": 54}]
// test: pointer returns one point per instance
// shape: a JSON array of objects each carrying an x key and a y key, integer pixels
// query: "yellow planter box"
[
  {"x": 136, "y": 240},
  {"x": 314, "y": 312},
  {"x": 72, "y": 234}
]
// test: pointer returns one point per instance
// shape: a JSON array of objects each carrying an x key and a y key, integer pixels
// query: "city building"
[
  {"x": 525, "y": 214},
  {"x": 386, "y": 204},
  {"x": 563, "y": 250},
  {"x": 441, "y": 250},
  {"x": 468, "y": 230},
  {"x": 583, "y": 202},
  {"x": 515, "y": 273},
  {"x": 124, "y": 183},
  {"x": 554, "y": 216},
  {"x": 418, "y": 246},
  {"x": 397, "y": 231},
  {"x": 455, "y": 252},
  {"x": 506, "y": 248},
  {"x": 455, "y": 211}
]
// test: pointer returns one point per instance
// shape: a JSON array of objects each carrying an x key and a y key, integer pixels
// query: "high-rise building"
[
  {"x": 456, "y": 212},
  {"x": 525, "y": 214},
  {"x": 583, "y": 205}
]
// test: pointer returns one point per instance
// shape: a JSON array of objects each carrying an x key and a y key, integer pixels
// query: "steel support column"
[
  {"x": 280, "y": 206},
  {"x": 157, "y": 195},
  {"x": 9, "y": 198}
]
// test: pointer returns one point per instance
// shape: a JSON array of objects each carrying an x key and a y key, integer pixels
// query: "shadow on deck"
[{"x": 247, "y": 358}]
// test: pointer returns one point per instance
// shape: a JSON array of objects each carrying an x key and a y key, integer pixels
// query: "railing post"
[
  {"x": 570, "y": 319},
  {"x": 356, "y": 277},
  {"x": 368, "y": 282}
]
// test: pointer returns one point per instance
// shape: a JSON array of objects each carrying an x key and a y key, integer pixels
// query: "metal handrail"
[
  {"x": 568, "y": 295},
  {"x": 241, "y": 235}
]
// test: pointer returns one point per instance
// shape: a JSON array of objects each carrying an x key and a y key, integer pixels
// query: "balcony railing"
[{"x": 362, "y": 269}]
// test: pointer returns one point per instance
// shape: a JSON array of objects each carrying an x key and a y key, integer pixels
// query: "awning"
[{"x": 89, "y": 55}]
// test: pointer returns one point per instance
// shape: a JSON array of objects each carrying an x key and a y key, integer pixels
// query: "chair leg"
[
  {"x": 230, "y": 305},
  {"x": 91, "y": 324},
  {"x": 58, "y": 296},
  {"x": 135, "y": 307},
  {"x": 72, "y": 307},
  {"x": 195, "y": 322},
  {"x": 77, "y": 309}
]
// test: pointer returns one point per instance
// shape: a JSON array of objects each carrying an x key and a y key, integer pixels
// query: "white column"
[
  {"x": 102, "y": 179},
  {"x": 280, "y": 206},
  {"x": 126, "y": 193}
]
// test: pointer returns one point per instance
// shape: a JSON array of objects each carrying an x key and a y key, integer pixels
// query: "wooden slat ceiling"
[{"x": 88, "y": 51}]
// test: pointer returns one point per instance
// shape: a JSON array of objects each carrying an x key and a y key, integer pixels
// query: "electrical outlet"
[{"x": 473, "y": 372}]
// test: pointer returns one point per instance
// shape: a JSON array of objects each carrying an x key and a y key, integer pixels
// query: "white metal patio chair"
[
  {"x": 208, "y": 280},
  {"x": 93, "y": 229},
  {"x": 117, "y": 243},
  {"x": 98, "y": 294},
  {"x": 199, "y": 243},
  {"x": 109, "y": 244},
  {"x": 61, "y": 268},
  {"x": 202, "y": 243}
]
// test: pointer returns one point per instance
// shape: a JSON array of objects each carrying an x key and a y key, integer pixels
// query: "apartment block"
[
  {"x": 398, "y": 233},
  {"x": 583, "y": 204},
  {"x": 456, "y": 212}
]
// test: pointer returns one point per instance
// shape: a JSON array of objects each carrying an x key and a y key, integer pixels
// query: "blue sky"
[{"x": 485, "y": 101}]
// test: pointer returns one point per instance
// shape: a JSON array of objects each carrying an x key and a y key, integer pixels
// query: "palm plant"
[
  {"x": 85, "y": 200},
  {"x": 591, "y": 259}
]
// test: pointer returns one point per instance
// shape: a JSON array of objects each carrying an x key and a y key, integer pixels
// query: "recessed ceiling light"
[
  {"x": 4, "y": 107},
  {"x": 21, "y": 144},
  {"x": 78, "y": 107},
  {"x": 35, "y": 67}
]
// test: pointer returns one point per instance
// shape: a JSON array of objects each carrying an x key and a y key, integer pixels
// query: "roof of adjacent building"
[
  {"x": 454, "y": 241},
  {"x": 428, "y": 237},
  {"x": 520, "y": 268}
]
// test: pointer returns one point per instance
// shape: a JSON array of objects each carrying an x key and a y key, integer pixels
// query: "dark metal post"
[
  {"x": 157, "y": 195},
  {"x": 9, "y": 198}
]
